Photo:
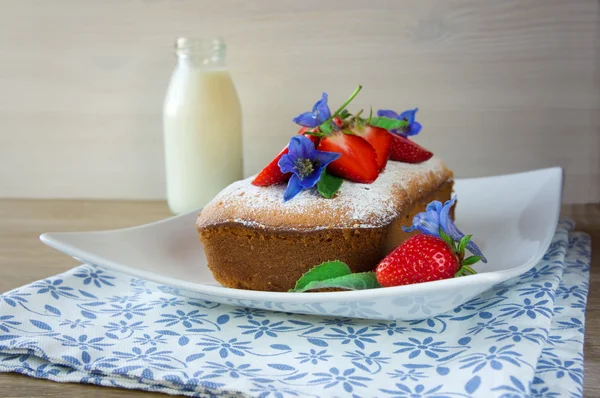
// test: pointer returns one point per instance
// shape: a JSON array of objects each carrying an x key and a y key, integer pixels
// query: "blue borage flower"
[
  {"x": 413, "y": 127},
  {"x": 306, "y": 163},
  {"x": 437, "y": 216},
  {"x": 319, "y": 115}
]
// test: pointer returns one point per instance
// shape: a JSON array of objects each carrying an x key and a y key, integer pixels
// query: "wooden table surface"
[{"x": 24, "y": 259}]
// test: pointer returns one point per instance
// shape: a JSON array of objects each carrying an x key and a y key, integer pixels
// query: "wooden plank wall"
[{"x": 503, "y": 86}]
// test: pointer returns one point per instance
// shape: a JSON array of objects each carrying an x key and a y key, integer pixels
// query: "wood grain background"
[{"x": 503, "y": 86}]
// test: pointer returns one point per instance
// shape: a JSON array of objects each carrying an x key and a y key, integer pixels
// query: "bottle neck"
[{"x": 201, "y": 53}]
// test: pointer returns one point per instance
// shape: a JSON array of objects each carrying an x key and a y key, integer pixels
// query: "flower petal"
[
  {"x": 301, "y": 147},
  {"x": 387, "y": 113},
  {"x": 306, "y": 119},
  {"x": 293, "y": 188},
  {"x": 312, "y": 179},
  {"x": 408, "y": 115},
  {"x": 413, "y": 129},
  {"x": 321, "y": 109},
  {"x": 453, "y": 232},
  {"x": 324, "y": 158},
  {"x": 286, "y": 164}
]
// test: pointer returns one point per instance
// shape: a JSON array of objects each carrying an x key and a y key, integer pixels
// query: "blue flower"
[
  {"x": 248, "y": 313},
  {"x": 83, "y": 343},
  {"x": 228, "y": 368},
  {"x": 390, "y": 328},
  {"x": 339, "y": 322},
  {"x": 124, "y": 327},
  {"x": 186, "y": 318},
  {"x": 313, "y": 356},
  {"x": 428, "y": 346},
  {"x": 164, "y": 302},
  {"x": 359, "y": 337},
  {"x": 151, "y": 355},
  {"x": 538, "y": 290},
  {"x": 306, "y": 163},
  {"x": 527, "y": 308},
  {"x": 413, "y": 127},
  {"x": 412, "y": 374},
  {"x": 147, "y": 339},
  {"x": 128, "y": 311},
  {"x": 365, "y": 361},
  {"x": 94, "y": 275},
  {"x": 54, "y": 288},
  {"x": 76, "y": 323},
  {"x": 232, "y": 346},
  {"x": 494, "y": 358},
  {"x": 513, "y": 332},
  {"x": 264, "y": 327},
  {"x": 436, "y": 216},
  {"x": 319, "y": 115},
  {"x": 570, "y": 368},
  {"x": 334, "y": 377}
]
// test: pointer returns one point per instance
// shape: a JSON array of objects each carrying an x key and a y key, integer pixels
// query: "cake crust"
[{"x": 355, "y": 206}]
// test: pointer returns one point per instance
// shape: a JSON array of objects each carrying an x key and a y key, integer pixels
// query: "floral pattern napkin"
[{"x": 90, "y": 325}]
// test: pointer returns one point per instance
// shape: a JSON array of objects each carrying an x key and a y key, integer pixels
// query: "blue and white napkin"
[{"x": 90, "y": 325}]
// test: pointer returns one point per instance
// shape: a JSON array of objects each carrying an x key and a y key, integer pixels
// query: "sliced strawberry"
[
  {"x": 271, "y": 174},
  {"x": 380, "y": 140},
  {"x": 407, "y": 151},
  {"x": 358, "y": 161}
]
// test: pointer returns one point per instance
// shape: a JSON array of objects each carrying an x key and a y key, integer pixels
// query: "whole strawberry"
[{"x": 423, "y": 258}]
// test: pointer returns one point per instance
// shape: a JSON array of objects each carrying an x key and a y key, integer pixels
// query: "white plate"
[{"x": 513, "y": 219}]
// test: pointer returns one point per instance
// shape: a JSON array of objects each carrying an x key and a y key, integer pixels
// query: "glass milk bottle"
[{"x": 202, "y": 126}]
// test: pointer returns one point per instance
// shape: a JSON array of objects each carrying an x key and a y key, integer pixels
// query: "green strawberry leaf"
[
  {"x": 463, "y": 244},
  {"x": 447, "y": 239},
  {"x": 358, "y": 281},
  {"x": 326, "y": 128},
  {"x": 344, "y": 114},
  {"x": 322, "y": 272},
  {"x": 387, "y": 123},
  {"x": 328, "y": 185},
  {"x": 471, "y": 260}
]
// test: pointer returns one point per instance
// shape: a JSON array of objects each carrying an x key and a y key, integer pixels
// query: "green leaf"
[
  {"x": 349, "y": 132},
  {"x": 328, "y": 185},
  {"x": 344, "y": 114},
  {"x": 447, "y": 239},
  {"x": 326, "y": 128},
  {"x": 471, "y": 260},
  {"x": 321, "y": 272},
  {"x": 358, "y": 281},
  {"x": 463, "y": 244},
  {"x": 387, "y": 123}
]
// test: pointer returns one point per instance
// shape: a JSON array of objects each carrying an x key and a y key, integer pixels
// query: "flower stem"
[{"x": 344, "y": 105}]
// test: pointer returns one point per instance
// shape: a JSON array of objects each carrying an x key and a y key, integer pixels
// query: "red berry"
[
  {"x": 407, "y": 151},
  {"x": 358, "y": 161},
  {"x": 421, "y": 258},
  {"x": 380, "y": 140}
]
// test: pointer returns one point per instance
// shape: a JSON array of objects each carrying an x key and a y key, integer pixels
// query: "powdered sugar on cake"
[{"x": 355, "y": 206}]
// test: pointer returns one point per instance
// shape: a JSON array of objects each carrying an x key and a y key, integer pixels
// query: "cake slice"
[{"x": 254, "y": 240}]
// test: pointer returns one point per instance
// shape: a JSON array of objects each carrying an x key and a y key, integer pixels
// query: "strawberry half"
[
  {"x": 421, "y": 258},
  {"x": 407, "y": 151},
  {"x": 272, "y": 174},
  {"x": 380, "y": 140},
  {"x": 358, "y": 161}
]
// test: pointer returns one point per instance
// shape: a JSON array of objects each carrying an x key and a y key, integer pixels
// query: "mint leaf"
[
  {"x": 359, "y": 281},
  {"x": 328, "y": 185},
  {"x": 387, "y": 123},
  {"x": 344, "y": 114},
  {"x": 321, "y": 272}
]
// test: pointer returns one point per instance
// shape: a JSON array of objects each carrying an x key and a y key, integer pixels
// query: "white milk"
[{"x": 202, "y": 126}]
